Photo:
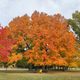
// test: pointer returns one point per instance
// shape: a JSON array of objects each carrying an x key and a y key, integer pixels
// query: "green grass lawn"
[{"x": 38, "y": 76}]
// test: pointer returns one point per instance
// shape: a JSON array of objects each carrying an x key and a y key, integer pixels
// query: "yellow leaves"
[
  {"x": 15, "y": 57},
  {"x": 73, "y": 64}
]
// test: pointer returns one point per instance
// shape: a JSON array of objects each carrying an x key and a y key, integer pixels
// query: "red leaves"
[{"x": 5, "y": 45}]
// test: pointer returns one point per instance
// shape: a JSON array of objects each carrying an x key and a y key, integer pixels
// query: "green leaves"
[{"x": 74, "y": 22}]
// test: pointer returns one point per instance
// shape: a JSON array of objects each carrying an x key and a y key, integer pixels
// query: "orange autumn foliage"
[
  {"x": 14, "y": 58},
  {"x": 47, "y": 38}
]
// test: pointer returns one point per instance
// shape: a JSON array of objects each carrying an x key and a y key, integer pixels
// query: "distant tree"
[{"x": 74, "y": 22}]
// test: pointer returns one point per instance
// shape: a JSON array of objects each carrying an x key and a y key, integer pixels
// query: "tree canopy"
[{"x": 42, "y": 39}]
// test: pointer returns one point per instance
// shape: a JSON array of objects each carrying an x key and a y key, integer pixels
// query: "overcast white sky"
[{"x": 12, "y": 8}]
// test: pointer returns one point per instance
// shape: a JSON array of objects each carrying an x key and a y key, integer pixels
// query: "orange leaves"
[
  {"x": 14, "y": 57},
  {"x": 54, "y": 32},
  {"x": 20, "y": 39},
  {"x": 54, "y": 58},
  {"x": 15, "y": 46},
  {"x": 62, "y": 49},
  {"x": 60, "y": 62},
  {"x": 47, "y": 38}
]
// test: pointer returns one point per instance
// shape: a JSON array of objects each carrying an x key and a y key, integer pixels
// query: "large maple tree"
[{"x": 43, "y": 39}]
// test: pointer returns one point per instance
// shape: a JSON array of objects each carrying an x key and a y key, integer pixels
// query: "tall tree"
[
  {"x": 43, "y": 40},
  {"x": 54, "y": 44}
]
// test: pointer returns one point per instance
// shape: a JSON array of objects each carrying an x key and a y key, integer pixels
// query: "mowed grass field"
[{"x": 42, "y": 76}]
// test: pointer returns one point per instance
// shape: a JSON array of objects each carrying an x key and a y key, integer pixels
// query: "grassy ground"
[{"x": 38, "y": 76}]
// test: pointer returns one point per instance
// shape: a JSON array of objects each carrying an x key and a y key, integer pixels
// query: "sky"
[{"x": 10, "y": 9}]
